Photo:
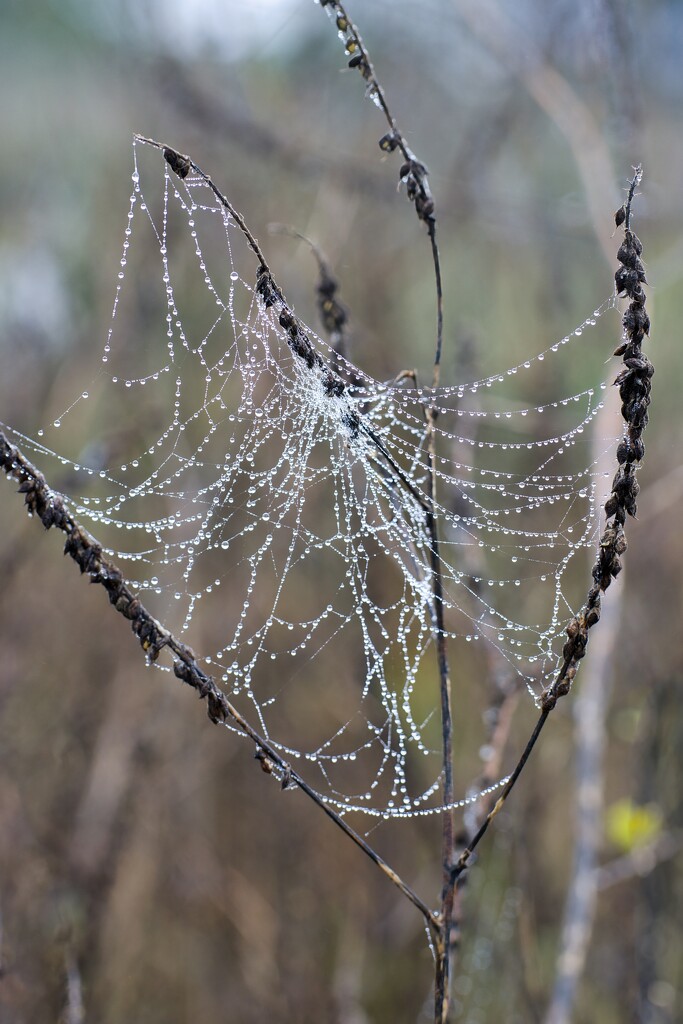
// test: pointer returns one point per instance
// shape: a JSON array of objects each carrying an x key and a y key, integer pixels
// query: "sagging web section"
[{"x": 279, "y": 522}]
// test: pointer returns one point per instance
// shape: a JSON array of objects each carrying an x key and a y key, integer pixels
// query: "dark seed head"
[
  {"x": 638, "y": 448},
  {"x": 623, "y": 450},
  {"x": 636, "y": 243},
  {"x": 388, "y": 142},
  {"x": 611, "y": 506},
  {"x": 592, "y": 616},
  {"x": 178, "y": 163}
]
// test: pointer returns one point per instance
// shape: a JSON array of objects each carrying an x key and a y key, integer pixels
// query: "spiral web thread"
[{"x": 284, "y": 525}]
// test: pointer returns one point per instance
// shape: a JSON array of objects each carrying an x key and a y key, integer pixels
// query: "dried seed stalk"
[
  {"x": 634, "y": 382},
  {"x": 50, "y": 508}
]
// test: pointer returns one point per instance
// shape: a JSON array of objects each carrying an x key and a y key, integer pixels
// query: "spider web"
[{"x": 280, "y": 523}]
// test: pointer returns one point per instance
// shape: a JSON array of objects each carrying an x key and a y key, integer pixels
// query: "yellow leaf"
[{"x": 629, "y": 826}]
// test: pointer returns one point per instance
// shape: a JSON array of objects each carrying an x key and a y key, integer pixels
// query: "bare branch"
[
  {"x": 634, "y": 383},
  {"x": 50, "y": 508}
]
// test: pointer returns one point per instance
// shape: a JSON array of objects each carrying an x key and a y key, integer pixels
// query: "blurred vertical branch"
[
  {"x": 554, "y": 95},
  {"x": 590, "y": 730}
]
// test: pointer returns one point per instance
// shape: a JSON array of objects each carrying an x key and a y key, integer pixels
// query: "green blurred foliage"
[{"x": 629, "y": 826}]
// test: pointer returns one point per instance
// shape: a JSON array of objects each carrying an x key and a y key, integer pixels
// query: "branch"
[
  {"x": 50, "y": 508},
  {"x": 413, "y": 173},
  {"x": 333, "y": 315},
  {"x": 634, "y": 383}
]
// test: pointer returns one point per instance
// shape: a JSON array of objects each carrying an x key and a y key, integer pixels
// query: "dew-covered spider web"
[{"x": 274, "y": 514}]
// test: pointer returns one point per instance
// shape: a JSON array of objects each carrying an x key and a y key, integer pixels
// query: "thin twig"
[
  {"x": 333, "y": 315},
  {"x": 182, "y": 165},
  {"x": 154, "y": 637},
  {"x": 634, "y": 383},
  {"x": 413, "y": 172},
  {"x": 443, "y": 965},
  {"x": 414, "y": 175}
]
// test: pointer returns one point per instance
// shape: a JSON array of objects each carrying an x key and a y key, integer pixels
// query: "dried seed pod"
[
  {"x": 636, "y": 242},
  {"x": 623, "y": 451},
  {"x": 611, "y": 506},
  {"x": 627, "y": 255},
  {"x": 564, "y": 686},
  {"x": 609, "y": 536},
  {"x": 266, "y": 287},
  {"x": 266, "y": 764},
  {"x": 618, "y": 480},
  {"x": 572, "y": 628},
  {"x": 637, "y": 413},
  {"x": 625, "y": 280},
  {"x": 621, "y": 544},
  {"x": 182, "y": 671},
  {"x": 389, "y": 142},
  {"x": 638, "y": 448},
  {"x": 215, "y": 709},
  {"x": 178, "y": 162},
  {"x": 592, "y": 616},
  {"x": 424, "y": 207},
  {"x": 286, "y": 319},
  {"x": 640, "y": 363},
  {"x": 636, "y": 320}
]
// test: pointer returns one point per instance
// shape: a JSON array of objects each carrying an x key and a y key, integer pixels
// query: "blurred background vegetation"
[{"x": 143, "y": 858}]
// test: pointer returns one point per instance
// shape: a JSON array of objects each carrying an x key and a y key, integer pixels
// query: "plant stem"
[{"x": 49, "y": 507}]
